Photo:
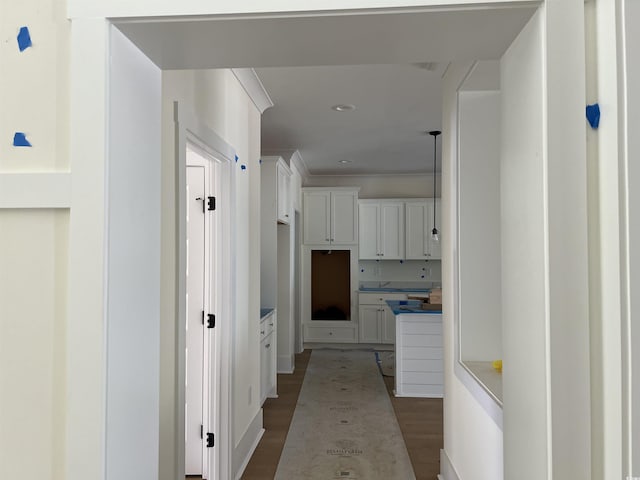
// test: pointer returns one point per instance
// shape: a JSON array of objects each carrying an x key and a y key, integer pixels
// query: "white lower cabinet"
[
  {"x": 377, "y": 323},
  {"x": 369, "y": 326},
  {"x": 388, "y": 326},
  {"x": 268, "y": 372}
]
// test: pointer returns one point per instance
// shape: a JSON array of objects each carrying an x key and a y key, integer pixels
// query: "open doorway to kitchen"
[{"x": 455, "y": 36}]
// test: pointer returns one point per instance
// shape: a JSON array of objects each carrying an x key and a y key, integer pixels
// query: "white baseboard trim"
[
  {"x": 247, "y": 445},
  {"x": 447, "y": 471},
  {"x": 286, "y": 363}
]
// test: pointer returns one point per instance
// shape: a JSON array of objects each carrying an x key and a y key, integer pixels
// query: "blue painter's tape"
[
  {"x": 24, "y": 39},
  {"x": 421, "y": 276},
  {"x": 243, "y": 167},
  {"x": 236, "y": 158},
  {"x": 260, "y": 161},
  {"x": 362, "y": 270},
  {"x": 401, "y": 261},
  {"x": 593, "y": 115},
  {"x": 20, "y": 140}
]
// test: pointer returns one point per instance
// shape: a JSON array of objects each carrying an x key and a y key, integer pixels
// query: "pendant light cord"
[
  {"x": 435, "y": 134},
  {"x": 434, "y": 180}
]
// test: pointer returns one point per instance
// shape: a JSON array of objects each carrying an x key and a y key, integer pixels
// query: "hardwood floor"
[
  {"x": 420, "y": 421},
  {"x": 278, "y": 413}
]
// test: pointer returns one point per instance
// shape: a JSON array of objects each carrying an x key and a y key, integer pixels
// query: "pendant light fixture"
[{"x": 434, "y": 232}]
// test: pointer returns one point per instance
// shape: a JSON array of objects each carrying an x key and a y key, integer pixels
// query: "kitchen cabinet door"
[
  {"x": 416, "y": 231},
  {"x": 369, "y": 226},
  {"x": 284, "y": 193},
  {"x": 388, "y": 325},
  {"x": 317, "y": 211},
  {"x": 391, "y": 233},
  {"x": 434, "y": 248},
  {"x": 369, "y": 326},
  {"x": 344, "y": 217}
]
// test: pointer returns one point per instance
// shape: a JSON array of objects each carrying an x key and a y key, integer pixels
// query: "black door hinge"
[
  {"x": 211, "y": 320},
  {"x": 210, "y": 440},
  {"x": 211, "y": 205},
  {"x": 201, "y": 431}
]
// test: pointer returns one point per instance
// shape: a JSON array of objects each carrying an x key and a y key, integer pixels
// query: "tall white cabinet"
[
  {"x": 330, "y": 253},
  {"x": 419, "y": 224},
  {"x": 284, "y": 203},
  {"x": 277, "y": 259},
  {"x": 330, "y": 216},
  {"x": 381, "y": 229}
]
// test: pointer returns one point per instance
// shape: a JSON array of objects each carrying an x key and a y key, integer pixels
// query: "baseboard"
[
  {"x": 286, "y": 363},
  {"x": 247, "y": 445},
  {"x": 448, "y": 472}
]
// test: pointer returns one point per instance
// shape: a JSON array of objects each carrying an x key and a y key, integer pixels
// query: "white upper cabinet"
[
  {"x": 419, "y": 224},
  {"x": 330, "y": 216},
  {"x": 381, "y": 230},
  {"x": 284, "y": 192}
]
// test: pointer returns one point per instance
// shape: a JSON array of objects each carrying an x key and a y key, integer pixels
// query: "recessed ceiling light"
[
  {"x": 344, "y": 107},
  {"x": 345, "y": 161}
]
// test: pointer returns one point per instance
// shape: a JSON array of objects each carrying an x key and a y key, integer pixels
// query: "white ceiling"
[
  {"x": 363, "y": 59},
  {"x": 395, "y": 105}
]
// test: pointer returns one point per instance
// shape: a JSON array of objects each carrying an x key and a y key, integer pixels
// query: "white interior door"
[{"x": 195, "y": 338}]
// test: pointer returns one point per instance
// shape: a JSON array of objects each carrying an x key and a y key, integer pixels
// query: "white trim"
[
  {"x": 248, "y": 444},
  {"x": 252, "y": 84},
  {"x": 35, "y": 190},
  {"x": 447, "y": 470},
  {"x": 298, "y": 162}
]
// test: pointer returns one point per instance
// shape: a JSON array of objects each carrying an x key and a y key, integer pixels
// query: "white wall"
[
  {"x": 133, "y": 263},
  {"x": 118, "y": 8},
  {"x": 632, "y": 39},
  {"x": 472, "y": 438},
  {"x": 524, "y": 296},
  {"x": 33, "y": 278},
  {"x": 546, "y": 375},
  {"x": 218, "y": 100},
  {"x": 34, "y": 246},
  {"x": 479, "y": 217},
  {"x": 381, "y": 186}
]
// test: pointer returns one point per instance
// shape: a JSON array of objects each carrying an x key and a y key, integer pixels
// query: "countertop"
[
  {"x": 264, "y": 312},
  {"x": 399, "y": 287},
  {"x": 400, "y": 307}
]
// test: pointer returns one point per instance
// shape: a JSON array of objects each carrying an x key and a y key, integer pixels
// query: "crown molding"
[
  {"x": 251, "y": 83},
  {"x": 298, "y": 162}
]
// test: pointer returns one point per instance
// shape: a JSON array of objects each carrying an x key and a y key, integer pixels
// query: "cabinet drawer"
[
  {"x": 379, "y": 298},
  {"x": 267, "y": 326},
  {"x": 330, "y": 334}
]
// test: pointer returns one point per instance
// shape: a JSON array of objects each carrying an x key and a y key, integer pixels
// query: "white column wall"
[
  {"x": 133, "y": 262},
  {"x": 218, "y": 100},
  {"x": 479, "y": 223},
  {"x": 472, "y": 439}
]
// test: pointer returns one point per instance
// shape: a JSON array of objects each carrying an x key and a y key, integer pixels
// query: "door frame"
[{"x": 190, "y": 130}]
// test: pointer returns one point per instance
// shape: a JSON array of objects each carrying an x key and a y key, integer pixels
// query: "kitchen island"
[{"x": 419, "y": 353}]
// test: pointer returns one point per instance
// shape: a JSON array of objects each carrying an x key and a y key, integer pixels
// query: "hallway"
[{"x": 353, "y": 379}]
